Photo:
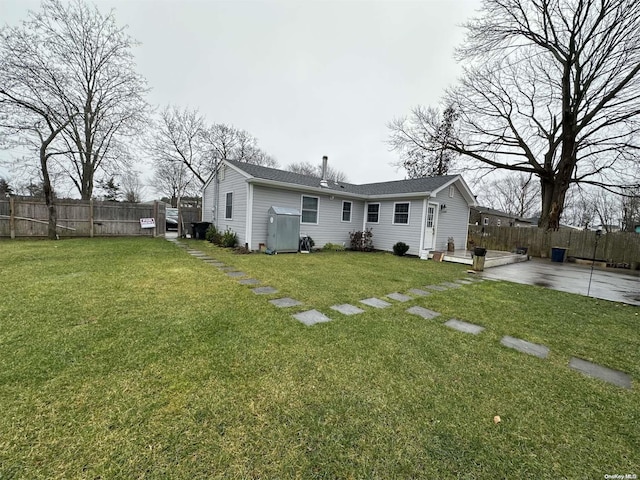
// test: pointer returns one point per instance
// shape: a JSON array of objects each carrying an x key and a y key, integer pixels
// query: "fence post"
[
  {"x": 155, "y": 216},
  {"x": 12, "y": 217}
]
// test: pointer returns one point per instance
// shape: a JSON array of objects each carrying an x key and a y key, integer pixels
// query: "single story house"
[
  {"x": 423, "y": 212},
  {"x": 495, "y": 218}
]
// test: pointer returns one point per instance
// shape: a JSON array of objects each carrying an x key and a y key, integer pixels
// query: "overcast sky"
[{"x": 307, "y": 78}]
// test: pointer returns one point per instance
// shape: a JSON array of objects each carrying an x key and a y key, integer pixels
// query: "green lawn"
[{"x": 128, "y": 358}]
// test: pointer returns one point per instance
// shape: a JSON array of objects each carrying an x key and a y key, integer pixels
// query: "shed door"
[{"x": 430, "y": 227}]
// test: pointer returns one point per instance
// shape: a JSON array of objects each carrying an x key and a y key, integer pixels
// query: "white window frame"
[
  {"x": 393, "y": 219},
  {"x": 499, "y": 221},
  {"x": 379, "y": 208},
  {"x": 227, "y": 205},
  {"x": 452, "y": 191},
  {"x": 350, "y": 211},
  {"x": 302, "y": 209},
  {"x": 485, "y": 221}
]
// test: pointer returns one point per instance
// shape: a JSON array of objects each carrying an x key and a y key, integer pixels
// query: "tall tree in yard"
[
  {"x": 186, "y": 150},
  {"x": 551, "y": 88},
  {"x": 99, "y": 88},
  {"x": 33, "y": 103}
]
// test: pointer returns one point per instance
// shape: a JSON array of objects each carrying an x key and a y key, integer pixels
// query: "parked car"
[{"x": 172, "y": 219}]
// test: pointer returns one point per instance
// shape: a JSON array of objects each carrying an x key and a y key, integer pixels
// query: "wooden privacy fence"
[
  {"x": 28, "y": 217},
  {"x": 619, "y": 247}
]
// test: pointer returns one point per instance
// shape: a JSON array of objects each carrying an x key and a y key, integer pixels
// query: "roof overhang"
[{"x": 463, "y": 187}]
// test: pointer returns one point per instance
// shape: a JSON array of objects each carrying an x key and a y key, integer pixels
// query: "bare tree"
[
  {"x": 33, "y": 108},
  {"x": 516, "y": 194},
  {"x": 308, "y": 168},
  {"x": 177, "y": 139},
  {"x": 631, "y": 211},
  {"x": 132, "y": 187},
  {"x": 171, "y": 179},
  {"x": 186, "y": 151},
  {"x": 553, "y": 90},
  {"x": 225, "y": 142},
  {"x": 422, "y": 149},
  {"x": 99, "y": 82}
]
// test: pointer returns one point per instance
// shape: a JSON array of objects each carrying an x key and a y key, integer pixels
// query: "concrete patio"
[{"x": 608, "y": 284}]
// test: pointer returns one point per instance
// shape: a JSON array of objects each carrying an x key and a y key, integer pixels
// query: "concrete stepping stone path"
[
  {"x": 311, "y": 317},
  {"x": 464, "y": 326},
  {"x": 264, "y": 290},
  {"x": 464, "y": 282},
  {"x": 399, "y": 297},
  {"x": 616, "y": 377},
  {"x": 450, "y": 285},
  {"x": 418, "y": 292},
  {"x": 236, "y": 274},
  {"x": 375, "y": 302},
  {"x": 438, "y": 288},
  {"x": 285, "y": 302},
  {"x": 423, "y": 312},
  {"x": 214, "y": 263},
  {"x": 523, "y": 346},
  {"x": 347, "y": 309}
]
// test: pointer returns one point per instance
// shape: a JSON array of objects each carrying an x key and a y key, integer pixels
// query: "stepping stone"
[
  {"x": 264, "y": 290},
  {"x": 594, "y": 370},
  {"x": 214, "y": 263},
  {"x": 375, "y": 302},
  {"x": 450, "y": 284},
  {"x": 439, "y": 288},
  {"x": 418, "y": 292},
  {"x": 248, "y": 281},
  {"x": 399, "y": 297},
  {"x": 347, "y": 309},
  {"x": 311, "y": 317},
  {"x": 423, "y": 312},
  {"x": 285, "y": 302},
  {"x": 464, "y": 326},
  {"x": 523, "y": 346},
  {"x": 236, "y": 274},
  {"x": 464, "y": 282}
]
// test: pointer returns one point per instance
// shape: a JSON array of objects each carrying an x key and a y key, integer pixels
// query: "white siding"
[
  {"x": 454, "y": 222},
  {"x": 207, "y": 201},
  {"x": 330, "y": 228},
  {"x": 232, "y": 181},
  {"x": 386, "y": 234}
]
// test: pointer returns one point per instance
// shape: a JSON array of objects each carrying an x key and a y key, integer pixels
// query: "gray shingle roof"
[{"x": 416, "y": 185}]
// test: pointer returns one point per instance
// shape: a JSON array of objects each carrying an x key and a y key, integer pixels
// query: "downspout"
[{"x": 364, "y": 217}]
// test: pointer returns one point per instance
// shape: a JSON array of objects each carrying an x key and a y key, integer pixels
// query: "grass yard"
[{"x": 128, "y": 358}]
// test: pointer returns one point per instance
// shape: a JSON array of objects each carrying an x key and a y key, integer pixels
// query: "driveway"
[{"x": 614, "y": 285}]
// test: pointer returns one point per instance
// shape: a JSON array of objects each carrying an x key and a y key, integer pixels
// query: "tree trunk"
[
  {"x": 48, "y": 194},
  {"x": 554, "y": 191}
]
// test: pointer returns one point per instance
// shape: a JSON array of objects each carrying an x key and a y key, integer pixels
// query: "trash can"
[
  {"x": 479, "y": 254},
  {"x": 199, "y": 230},
  {"x": 558, "y": 254}
]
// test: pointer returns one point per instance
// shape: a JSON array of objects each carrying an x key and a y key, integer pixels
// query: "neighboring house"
[
  {"x": 423, "y": 213},
  {"x": 495, "y": 218}
]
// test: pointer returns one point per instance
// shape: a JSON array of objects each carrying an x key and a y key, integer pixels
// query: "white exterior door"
[{"x": 430, "y": 227}]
